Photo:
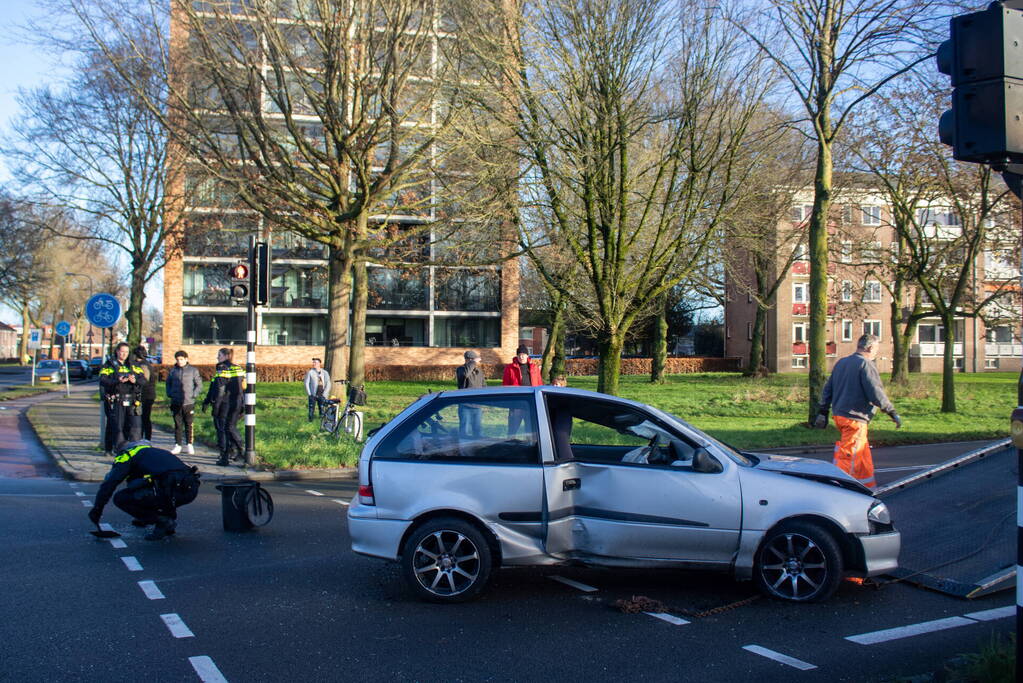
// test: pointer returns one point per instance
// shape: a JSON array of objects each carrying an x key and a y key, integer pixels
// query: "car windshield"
[{"x": 49, "y": 364}]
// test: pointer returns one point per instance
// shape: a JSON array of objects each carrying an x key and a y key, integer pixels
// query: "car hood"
[{"x": 808, "y": 468}]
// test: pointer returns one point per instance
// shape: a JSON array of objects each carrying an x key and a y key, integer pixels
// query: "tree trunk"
[
  {"x": 948, "y": 385},
  {"x": 818, "y": 247},
  {"x": 339, "y": 274},
  {"x": 659, "y": 355},
  {"x": 900, "y": 349},
  {"x": 24, "y": 357},
  {"x": 558, "y": 360},
  {"x": 360, "y": 301},
  {"x": 136, "y": 299},
  {"x": 756, "y": 348},
  {"x": 609, "y": 362},
  {"x": 550, "y": 350}
]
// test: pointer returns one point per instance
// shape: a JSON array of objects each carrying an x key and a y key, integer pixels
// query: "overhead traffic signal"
[
  {"x": 239, "y": 275},
  {"x": 984, "y": 57},
  {"x": 259, "y": 284}
]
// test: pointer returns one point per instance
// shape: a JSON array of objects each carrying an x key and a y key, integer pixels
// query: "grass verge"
[
  {"x": 747, "y": 413},
  {"x": 23, "y": 390}
]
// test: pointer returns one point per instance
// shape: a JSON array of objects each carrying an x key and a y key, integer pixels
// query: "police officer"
[
  {"x": 158, "y": 484},
  {"x": 121, "y": 382},
  {"x": 227, "y": 396}
]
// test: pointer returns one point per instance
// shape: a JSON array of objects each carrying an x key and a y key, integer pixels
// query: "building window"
[
  {"x": 872, "y": 327},
  {"x": 872, "y": 292},
  {"x": 288, "y": 245},
  {"x": 219, "y": 235},
  {"x": 999, "y": 335},
  {"x": 398, "y": 289},
  {"x": 872, "y": 252},
  {"x": 801, "y": 252},
  {"x": 845, "y": 252},
  {"x": 799, "y": 333},
  {"x": 871, "y": 215},
  {"x": 847, "y": 330},
  {"x": 208, "y": 285},
  {"x": 847, "y": 290},
  {"x": 749, "y": 331},
  {"x": 990, "y": 363},
  {"x": 942, "y": 215},
  {"x": 206, "y": 328},
  {"x": 801, "y": 212},
  {"x": 800, "y": 292},
  {"x": 799, "y": 361},
  {"x": 467, "y": 289},
  {"x": 395, "y": 331},
  {"x": 458, "y": 332},
  {"x": 294, "y": 330},
  {"x": 294, "y": 286}
]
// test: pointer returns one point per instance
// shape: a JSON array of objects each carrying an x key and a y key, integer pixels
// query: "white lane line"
[
  {"x": 105, "y": 527},
  {"x": 79, "y": 493},
  {"x": 670, "y": 618},
  {"x": 575, "y": 584},
  {"x": 340, "y": 502},
  {"x": 207, "y": 670},
  {"x": 118, "y": 543},
  {"x": 992, "y": 614},
  {"x": 315, "y": 493},
  {"x": 177, "y": 626},
  {"x": 779, "y": 657},
  {"x": 73, "y": 484},
  {"x": 151, "y": 590},
  {"x": 132, "y": 564},
  {"x": 288, "y": 483},
  {"x": 87, "y": 503},
  {"x": 887, "y": 634}
]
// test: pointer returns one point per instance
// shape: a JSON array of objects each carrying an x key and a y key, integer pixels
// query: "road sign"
[
  {"x": 63, "y": 328},
  {"x": 103, "y": 310},
  {"x": 35, "y": 339}
]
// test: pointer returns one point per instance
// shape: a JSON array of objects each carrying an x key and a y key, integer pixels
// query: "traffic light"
[
  {"x": 239, "y": 275},
  {"x": 259, "y": 284},
  {"x": 984, "y": 57}
]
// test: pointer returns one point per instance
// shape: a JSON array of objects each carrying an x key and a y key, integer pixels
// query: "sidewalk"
[{"x": 69, "y": 429}]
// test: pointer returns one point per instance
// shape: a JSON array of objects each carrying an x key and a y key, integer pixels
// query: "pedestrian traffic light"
[
  {"x": 239, "y": 275},
  {"x": 259, "y": 281},
  {"x": 984, "y": 57}
]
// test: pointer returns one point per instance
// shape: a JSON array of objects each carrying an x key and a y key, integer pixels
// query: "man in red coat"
[{"x": 520, "y": 372}]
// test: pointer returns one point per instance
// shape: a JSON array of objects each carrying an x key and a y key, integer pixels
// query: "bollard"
[{"x": 244, "y": 504}]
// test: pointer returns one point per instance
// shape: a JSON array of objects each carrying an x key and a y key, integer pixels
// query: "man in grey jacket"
[
  {"x": 317, "y": 387},
  {"x": 853, "y": 393},
  {"x": 184, "y": 384},
  {"x": 470, "y": 376}
]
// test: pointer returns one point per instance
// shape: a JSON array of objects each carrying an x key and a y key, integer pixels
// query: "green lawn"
[
  {"x": 23, "y": 390},
  {"x": 747, "y": 413}
]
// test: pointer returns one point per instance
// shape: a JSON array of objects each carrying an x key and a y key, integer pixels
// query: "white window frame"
[
  {"x": 847, "y": 290},
  {"x": 869, "y": 285},
  {"x": 749, "y": 331},
  {"x": 800, "y": 338},
  {"x": 867, "y": 216},
  {"x": 847, "y": 329},
  {"x": 799, "y": 361},
  {"x": 803, "y": 287},
  {"x": 845, "y": 252},
  {"x": 873, "y": 324}
]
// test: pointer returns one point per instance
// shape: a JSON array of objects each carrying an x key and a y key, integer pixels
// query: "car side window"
[{"x": 500, "y": 430}]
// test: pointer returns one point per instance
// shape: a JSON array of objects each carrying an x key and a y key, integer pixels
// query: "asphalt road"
[{"x": 291, "y": 601}]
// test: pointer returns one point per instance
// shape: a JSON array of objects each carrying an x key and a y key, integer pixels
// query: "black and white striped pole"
[{"x": 259, "y": 294}]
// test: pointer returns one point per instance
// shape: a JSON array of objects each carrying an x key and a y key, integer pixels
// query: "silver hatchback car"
[{"x": 463, "y": 482}]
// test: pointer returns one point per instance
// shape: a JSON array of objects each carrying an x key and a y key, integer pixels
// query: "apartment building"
[
  {"x": 860, "y": 240},
  {"x": 418, "y": 314}
]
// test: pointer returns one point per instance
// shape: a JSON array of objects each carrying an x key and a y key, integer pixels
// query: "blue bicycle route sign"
[
  {"x": 103, "y": 310},
  {"x": 63, "y": 328}
]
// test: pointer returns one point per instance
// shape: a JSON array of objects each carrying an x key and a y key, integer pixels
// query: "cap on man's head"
[
  {"x": 472, "y": 355},
  {"x": 522, "y": 349},
  {"x": 180, "y": 354}
]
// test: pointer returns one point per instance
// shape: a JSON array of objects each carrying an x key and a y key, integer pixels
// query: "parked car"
[
  {"x": 549, "y": 475},
  {"x": 50, "y": 371},
  {"x": 95, "y": 363},
  {"x": 78, "y": 369}
]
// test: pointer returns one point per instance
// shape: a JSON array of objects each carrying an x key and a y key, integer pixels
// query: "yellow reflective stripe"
[
  {"x": 129, "y": 454},
  {"x": 227, "y": 373},
  {"x": 106, "y": 371},
  {"x": 136, "y": 368}
]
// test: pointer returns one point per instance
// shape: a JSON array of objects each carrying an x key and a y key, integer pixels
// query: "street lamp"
[{"x": 92, "y": 290}]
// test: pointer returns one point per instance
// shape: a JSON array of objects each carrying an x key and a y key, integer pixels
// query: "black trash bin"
[{"x": 245, "y": 504}]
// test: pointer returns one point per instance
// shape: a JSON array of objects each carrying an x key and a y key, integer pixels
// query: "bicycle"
[{"x": 337, "y": 420}]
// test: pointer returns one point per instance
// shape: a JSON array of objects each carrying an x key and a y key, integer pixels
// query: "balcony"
[
  {"x": 800, "y": 268},
  {"x": 799, "y": 309},
  {"x": 831, "y": 348},
  {"x": 994, "y": 349},
  {"x": 799, "y": 349},
  {"x": 398, "y": 289},
  {"x": 934, "y": 349}
]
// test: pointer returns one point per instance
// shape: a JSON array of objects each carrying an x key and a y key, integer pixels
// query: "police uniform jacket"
[
  {"x": 226, "y": 388},
  {"x": 113, "y": 370},
  {"x": 137, "y": 462}
]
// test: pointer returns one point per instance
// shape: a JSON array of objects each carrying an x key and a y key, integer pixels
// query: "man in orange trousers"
[{"x": 853, "y": 393}]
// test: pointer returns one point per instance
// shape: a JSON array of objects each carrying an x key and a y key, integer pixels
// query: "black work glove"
[
  {"x": 95, "y": 514},
  {"x": 821, "y": 421},
  {"x": 895, "y": 418}
]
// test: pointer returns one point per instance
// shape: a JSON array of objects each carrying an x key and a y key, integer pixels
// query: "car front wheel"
[
  {"x": 446, "y": 560},
  {"x": 798, "y": 562}
]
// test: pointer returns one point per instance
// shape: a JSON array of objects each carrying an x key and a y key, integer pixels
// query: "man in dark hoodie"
[{"x": 470, "y": 376}]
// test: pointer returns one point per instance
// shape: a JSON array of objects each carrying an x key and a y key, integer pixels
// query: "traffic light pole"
[{"x": 250, "y": 373}]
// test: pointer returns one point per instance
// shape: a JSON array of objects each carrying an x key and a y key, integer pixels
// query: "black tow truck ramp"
[{"x": 958, "y": 522}]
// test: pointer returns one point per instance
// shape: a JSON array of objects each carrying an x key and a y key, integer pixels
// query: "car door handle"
[{"x": 570, "y": 484}]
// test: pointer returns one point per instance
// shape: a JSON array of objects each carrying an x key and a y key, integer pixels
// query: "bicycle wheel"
[
  {"x": 351, "y": 423},
  {"x": 328, "y": 422}
]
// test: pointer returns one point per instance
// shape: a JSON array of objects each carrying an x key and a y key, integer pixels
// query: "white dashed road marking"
[
  {"x": 105, "y": 527},
  {"x": 79, "y": 493},
  {"x": 132, "y": 564},
  {"x": 151, "y": 590},
  {"x": 118, "y": 543},
  {"x": 992, "y": 614},
  {"x": 207, "y": 670},
  {"x": 887, "y": 634},
  {"x": 315, "y": 493},
  {"x": 340, "y": 502},
  {"x": 575, "y": 584},
  {"x": 87, "y": 503},
  {"x": 177, "y": 626},
  {"x": 779, "y": 657},
  {"x": 670, "y": 618}
]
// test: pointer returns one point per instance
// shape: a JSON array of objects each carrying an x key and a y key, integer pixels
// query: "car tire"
[
  {"x": 446, "y": 560},
  {"x": 798, "y": 561}
]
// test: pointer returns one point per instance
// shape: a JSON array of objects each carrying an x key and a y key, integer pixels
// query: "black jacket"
[
  {"x": 134, "y": 463},
  {"x": 226, "y": 392},
  {"x": 149, "y": 388},
  {"x": 113, "y": 370}
]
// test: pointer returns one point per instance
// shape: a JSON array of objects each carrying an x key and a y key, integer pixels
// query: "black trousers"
[
  {"x": 123, "y": 425},
  {"x": 147, "y": 418},
  {"x": 315, "y": 401},
  {"x": 183, "y": 419},
  {"x": 225, "y": 421},
  {"x": 142, "y": 500}
]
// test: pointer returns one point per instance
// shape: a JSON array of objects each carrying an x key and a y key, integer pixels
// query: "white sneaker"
[
  {"x": 176, "y": 449},
  {"x": 189, "y": 449}
]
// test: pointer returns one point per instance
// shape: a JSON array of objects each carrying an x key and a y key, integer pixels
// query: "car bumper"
[
  {"x": 881, "y": 552},
  {"x": 372, "y": 536}
]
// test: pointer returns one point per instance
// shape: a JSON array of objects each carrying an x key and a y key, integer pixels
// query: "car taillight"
[{"x": 366, "y": 495}]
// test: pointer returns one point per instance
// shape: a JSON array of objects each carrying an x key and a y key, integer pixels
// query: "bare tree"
[
  {"x": 628, "y": 119},
  {"x": 24, "y": 268},
  {"x": 835, "y": 55}
]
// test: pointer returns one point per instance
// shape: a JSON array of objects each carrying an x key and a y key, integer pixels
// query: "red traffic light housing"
[{"x": 239, "y": 275}]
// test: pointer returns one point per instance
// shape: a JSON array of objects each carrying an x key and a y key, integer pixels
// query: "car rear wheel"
[
  {"x": 798, "y": 562},
  {"x": 446, "y": 560}
]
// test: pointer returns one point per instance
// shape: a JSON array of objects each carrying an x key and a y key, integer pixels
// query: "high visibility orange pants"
[{"x": 852, "y": 452}]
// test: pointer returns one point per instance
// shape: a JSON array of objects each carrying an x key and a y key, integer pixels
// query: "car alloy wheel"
[
  {"x": 799, "y": 562},
  {"x": 446, "y": 560}
]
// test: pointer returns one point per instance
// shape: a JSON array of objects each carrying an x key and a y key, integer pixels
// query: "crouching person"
[{"x": 158, "y": 484}]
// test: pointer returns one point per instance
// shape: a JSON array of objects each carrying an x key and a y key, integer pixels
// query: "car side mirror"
[{"x": 706, "y": 463}]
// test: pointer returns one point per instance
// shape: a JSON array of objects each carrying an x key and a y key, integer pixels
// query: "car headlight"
[{"x": 879, "y": 514}]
